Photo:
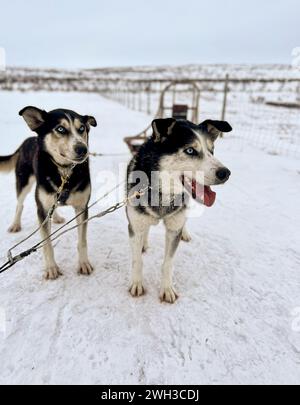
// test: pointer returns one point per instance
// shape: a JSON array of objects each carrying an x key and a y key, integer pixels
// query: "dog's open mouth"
[{"x": 200, "y": 193}]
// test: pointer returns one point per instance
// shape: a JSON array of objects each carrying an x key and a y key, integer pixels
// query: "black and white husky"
[
  {"x": 177, "y": 161},
  {"x": 60, "y": 149}
]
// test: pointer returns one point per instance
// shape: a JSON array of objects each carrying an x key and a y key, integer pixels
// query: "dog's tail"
[{"x": 8, "y": 163}]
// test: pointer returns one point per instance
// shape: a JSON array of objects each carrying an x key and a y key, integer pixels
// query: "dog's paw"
[
  {"x": 168, "y": 294},
  {"x": 14, "y": 228},
  {"x": 185, "y": 236},
  {"x": 137, "y": 289},
  {"x": 85, "y": 268},
  {"x": 57, "y": 219},
  {"x": 52, "y": 273}
]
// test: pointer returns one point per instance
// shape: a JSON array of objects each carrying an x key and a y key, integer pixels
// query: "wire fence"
[
  {"x": 263, "y": 110},
  {"x": 265, "y": 113},
  {"x": 275, "y": 129}
]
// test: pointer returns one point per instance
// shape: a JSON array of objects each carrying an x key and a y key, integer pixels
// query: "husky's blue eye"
[
  {"x": 190, "y": 151},
  {"x": 60, "y": 129},
  {"x": 81, "y": 129}
]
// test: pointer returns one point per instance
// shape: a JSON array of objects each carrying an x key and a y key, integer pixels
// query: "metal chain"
[{"x": 107, "y": 154}]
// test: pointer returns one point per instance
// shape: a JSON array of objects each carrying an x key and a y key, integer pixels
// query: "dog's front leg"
[
  {"x": 52, "y": 270},
  {"x": 137, "y": 242},
  {"x": 138, "y": 228},
  {"x": 174, "y": 227},
  {"x": 85, "y": 266}
]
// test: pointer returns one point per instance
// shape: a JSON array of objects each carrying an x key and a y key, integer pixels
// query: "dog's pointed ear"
[
  {"x": 215, "y": 128},
  {"x": 34, "y": 117},
  {"x": 162, "y": 128},
  {"x": 90, "y": 120}
]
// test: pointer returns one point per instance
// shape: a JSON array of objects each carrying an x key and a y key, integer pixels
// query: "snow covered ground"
[{"x": 238, "y": 316}]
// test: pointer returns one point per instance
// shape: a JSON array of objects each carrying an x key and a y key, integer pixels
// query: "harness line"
[{"x": 14, "y": 259}]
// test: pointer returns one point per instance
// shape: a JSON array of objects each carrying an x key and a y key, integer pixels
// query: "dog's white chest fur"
[{"x": 79, "y": 198}]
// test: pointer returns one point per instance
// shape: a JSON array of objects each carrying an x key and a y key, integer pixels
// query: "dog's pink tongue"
[
  {"x": 204, "y": 194},
  {"x": 209, "y": 196}
]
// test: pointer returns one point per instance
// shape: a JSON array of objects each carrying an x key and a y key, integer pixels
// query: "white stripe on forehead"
[
  {"x": 73, "y": 130},
  {"x": 75, "y": 123},
  {"x": 201, "y": 139},
  {"x": 70, "y": 121}
]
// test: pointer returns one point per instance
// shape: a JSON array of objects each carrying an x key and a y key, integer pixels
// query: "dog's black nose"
[
  {"x": 223, "y": 174},
  {"x": 80, "y": 149}
]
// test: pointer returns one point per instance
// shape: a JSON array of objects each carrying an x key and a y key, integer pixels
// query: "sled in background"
[{"x": 169, "y": 106}]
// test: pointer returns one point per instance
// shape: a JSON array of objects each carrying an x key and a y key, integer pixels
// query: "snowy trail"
[{"x": 238, "y": 279}]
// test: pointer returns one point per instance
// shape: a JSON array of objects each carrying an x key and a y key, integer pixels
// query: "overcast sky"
[{"x": 92, "y": 33}]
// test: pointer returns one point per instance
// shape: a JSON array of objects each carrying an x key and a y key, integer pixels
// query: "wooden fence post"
[
  {"x": 225, "y": 98},
  {"x": 140, "y": 100},
  {"x": 148, "y": 90}
]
